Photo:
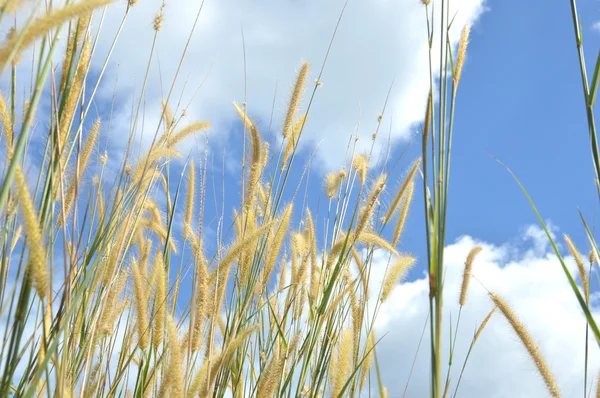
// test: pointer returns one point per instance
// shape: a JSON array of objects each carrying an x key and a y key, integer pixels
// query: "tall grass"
[
  {"x": 105, "y": 292},
  {"x": 94, "y": 266}
]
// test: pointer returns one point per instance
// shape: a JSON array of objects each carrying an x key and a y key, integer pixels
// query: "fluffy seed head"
[
  {"x": 37, "y": 269},
  {"x": 189, "y": 209},
  {"x": 295, "y": 99},
  {"x": 467, "y": 274},
  {"x": 403, "y": 213},
  {"x": 333, "y": 181},
  {"x": 580, "y": 266},
  {"x": 395, "y": 273},
  {"x": 529, "y": 344},
  {"x": 462, "y": 50},
  {"x": 402, "y": 190},
  {"x": 367, "y": 210},
  {"x": 361, "y": 165}
]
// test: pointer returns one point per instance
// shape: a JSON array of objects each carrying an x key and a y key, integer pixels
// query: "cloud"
[
  {"x": 531, "y": 280},
  {"x": 378, "y": 42}
]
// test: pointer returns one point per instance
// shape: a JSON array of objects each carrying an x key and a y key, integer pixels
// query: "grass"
[{"x": 104, "y": 292}]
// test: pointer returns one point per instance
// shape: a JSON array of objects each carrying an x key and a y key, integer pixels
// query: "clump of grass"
[{"x": 274, "y": 303}]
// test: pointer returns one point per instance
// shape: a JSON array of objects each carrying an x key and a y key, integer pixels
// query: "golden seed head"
[
  {"x": 158, "y": 20},
  {"x": 379, "y": 118},
  {"x": 361, "y": 165},
  {"x": 104, "y": 158},
  {"x": 395, "y": 273},
  {"x": 467, "y": 274},
  {"x": 462, "y": 50},
  {"x": 425, "y": 2},
  {"x": 529, "y": 344},
  {"x": 333, "y": 181}
]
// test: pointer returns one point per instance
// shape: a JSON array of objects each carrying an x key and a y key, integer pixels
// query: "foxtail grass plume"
[
  {"x": 367, "y": 211},
  {"x": 160, "y": 301},
  {"x": 343, "y": 363},
  {"x": 403, "y": 213},
  {"x": 158, "y": 19},
  {"x": 88, "y": 147},
  {"x": 361, "y": 165},
  {"x": 257, "y": 156},
  {"x": 238, "y": 247},
  {"x": 275, "y": 242},
  {"x": 37, "y": 270},
  {"x": 467, "y": 274},
  {"x": 141, "y": 304},
  {"x": 333, "y": 181},
  {"x": 529, "y": 344},
  {"x": 402, "y": 190},
  {"x": 72, "y": 95},
  {"x": 483, "y": 324},
  {"x": 580, "y": 266},
  {"x": 292, "y": 140},
  {"x": 6, "y": 125},
  {"x": 185, "y": 132},
  {"x": 397, "y": 271},
  {"x": 172, "y": 384},
  {"x": 295, "y": 100},
  {"x": 189, "y": 208},
  {"x": 201, "y": 304},
  {"x": 462, "y": 51}
]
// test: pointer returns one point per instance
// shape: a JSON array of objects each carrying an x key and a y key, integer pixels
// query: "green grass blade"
[{"x": 574, "y": 287}]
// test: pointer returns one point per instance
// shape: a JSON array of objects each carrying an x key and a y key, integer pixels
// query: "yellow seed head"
[
  {"x": 160, "y": 301},
  {"x": 467, "y": 274},
  {"x": 403, "y": 213},
  {"x": 529, "y": 344},
  {"x": 580, "y": 266},
  {"x": 395, "y": 273},
  {"x": 37, "y": 269},
  {"x": 189, "y": 209},
  {"x": 141, "y": 304},
  {"x": 295, "y": 99},
  {"x": 367, "y": 210},
  {"x": 402, "y": 191},
  {"x": 462, "y": 50},
  {"x": 333, "y": 181},
  {"x": 158, "y": 20},
  {"x": 343, "y": 363},
  {"x": 361, "y": 165}
]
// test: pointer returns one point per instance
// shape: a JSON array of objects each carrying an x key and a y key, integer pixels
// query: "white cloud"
[
  {"x": 532, "y": 281},
  {"x": 377, "y": 42}
]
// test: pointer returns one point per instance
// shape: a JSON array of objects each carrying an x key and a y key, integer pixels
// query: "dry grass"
[{"x": 127, "y": 300}]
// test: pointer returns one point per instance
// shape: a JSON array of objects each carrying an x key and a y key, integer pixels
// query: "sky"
[{"x": 520, "y": 100}]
